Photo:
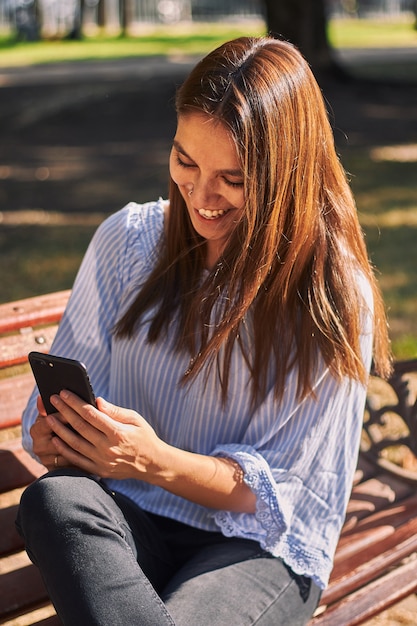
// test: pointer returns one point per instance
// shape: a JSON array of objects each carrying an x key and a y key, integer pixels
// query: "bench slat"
[
  {"x": 17, "y": 468},
  {"x": 371, "y": 599},
  {"x": 364, "y": 471},
  {"x": 375, "y": 516},
  {"x": 10, "y": 540},
  {"x": 50, "y": 621},
  {"x": 387, "y": 517},
  {"x": 380, "y": 529},
  {"x": 43, "y": 615},
  {"x": 33, "y": 311},
  {"x": 14, "y": 349},
  {"x": 14, "y": 392},
  {"x": 373, "y": 495},
  {"x": 21, "y": 584},
  {"x": 372, "y": 561}
]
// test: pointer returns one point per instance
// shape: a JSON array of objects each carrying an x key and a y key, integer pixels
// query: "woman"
[{"x": 231, "y": 331}]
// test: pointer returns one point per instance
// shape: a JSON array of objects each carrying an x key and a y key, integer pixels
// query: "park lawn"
[
  {"x": 43, "y": 254},
  {"x": 168, "y": 41},
  {"x": 385, "y": 193},
  {"x": 373, "y": 33},
  {"x": 195, "y": 38}
]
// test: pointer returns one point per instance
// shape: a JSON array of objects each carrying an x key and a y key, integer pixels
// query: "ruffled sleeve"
[
  {"x": 120, "y": 254},
  {"x": 299, "y": 458}
]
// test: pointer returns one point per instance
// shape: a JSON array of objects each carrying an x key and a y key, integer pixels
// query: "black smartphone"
[{"x": 55, "y": 373}]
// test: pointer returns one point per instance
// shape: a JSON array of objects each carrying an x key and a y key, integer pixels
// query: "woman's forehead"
[{"x": 201, "y": 136}]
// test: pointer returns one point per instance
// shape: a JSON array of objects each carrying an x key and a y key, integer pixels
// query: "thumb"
[
  {"x": 106, "y": 407},
  {"x": 117, "y": 413}
]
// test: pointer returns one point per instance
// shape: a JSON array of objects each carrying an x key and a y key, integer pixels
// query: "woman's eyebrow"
[
  {"x": 179, "y": 147},
  {"x": 229, "y": 172},
  {"x": 237, "y": 173}
]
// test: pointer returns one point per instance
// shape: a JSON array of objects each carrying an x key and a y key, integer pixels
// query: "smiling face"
[{"x": 204, "y": 161}]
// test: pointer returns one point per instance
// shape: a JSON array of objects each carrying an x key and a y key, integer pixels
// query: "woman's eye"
[
  {"x": 182, "y": 163},
  {"x": 233, "y": 184}
]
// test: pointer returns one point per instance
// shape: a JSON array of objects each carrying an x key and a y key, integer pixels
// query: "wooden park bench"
[
  {"x": 375, "y": 565},
  {"x": 24, "y": 326}
]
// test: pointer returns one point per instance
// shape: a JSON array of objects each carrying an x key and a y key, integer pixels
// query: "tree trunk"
[
  {"x": 77, "y": 30},
  {"x": 303, "y": 23},
  {"x": 101, "y": 14},
  {"x": 126, "y": 14}
]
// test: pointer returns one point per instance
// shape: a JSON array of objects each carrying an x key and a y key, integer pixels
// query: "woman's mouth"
[{"x": 212, "y": 215}]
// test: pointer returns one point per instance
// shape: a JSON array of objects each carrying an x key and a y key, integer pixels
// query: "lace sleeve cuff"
[{"x": 269, "y": 523}]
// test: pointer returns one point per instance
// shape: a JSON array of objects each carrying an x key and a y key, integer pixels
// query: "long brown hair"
[{"x": 291, "y": 267}]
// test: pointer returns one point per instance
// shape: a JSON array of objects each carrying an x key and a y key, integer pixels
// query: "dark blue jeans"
[{"x": 106, "y": 562}]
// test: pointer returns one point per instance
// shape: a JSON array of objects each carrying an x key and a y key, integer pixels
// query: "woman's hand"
[
  {"x": 112, "y": 442},
  {"x": 109, "y": 441},
  {"x": 42, "y": 436}
]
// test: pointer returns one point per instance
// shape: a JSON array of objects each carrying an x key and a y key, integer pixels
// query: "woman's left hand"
[{"x": 108, "y": 441}]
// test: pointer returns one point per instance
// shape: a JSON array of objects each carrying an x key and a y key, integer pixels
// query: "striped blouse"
[{"x": 298, "y": 457}]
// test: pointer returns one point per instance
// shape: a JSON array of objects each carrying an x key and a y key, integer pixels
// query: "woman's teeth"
[{"x": 211, "y": 215}]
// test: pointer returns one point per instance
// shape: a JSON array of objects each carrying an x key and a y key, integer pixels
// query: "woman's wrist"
[{"x": 214, "y": 482}]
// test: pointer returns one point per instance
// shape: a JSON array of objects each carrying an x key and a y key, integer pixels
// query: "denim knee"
[{"x": 50, "y": 503}]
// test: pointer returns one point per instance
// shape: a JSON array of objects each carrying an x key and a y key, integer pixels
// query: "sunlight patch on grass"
[
  {"x": 387, "y": 198},
  {"x": 381, "y": 187},
  {"x": 405, "y": 153},
  {"x": 170, "y": 41},
  {"x": 393, "y": 218},
  {"x": 195, "y": 39},
  {"x": 395, "y": 280},
  {"x": 50, "y": 218},
  {"x": 373, "y": 33}
]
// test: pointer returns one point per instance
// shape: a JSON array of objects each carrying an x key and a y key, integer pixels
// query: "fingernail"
[{"x": 51, "y": 420}]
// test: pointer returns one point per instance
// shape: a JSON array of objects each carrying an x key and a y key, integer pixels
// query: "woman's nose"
[{"x": 204, "y": 193}]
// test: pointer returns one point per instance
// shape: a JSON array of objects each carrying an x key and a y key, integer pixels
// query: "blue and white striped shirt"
[{"x": 298, "y": 457}]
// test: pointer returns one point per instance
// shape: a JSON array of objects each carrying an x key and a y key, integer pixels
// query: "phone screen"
[{"x": 54, "y": 373}]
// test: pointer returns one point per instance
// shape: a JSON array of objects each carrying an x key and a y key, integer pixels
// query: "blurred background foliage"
[{"x": 41, "y": 245}]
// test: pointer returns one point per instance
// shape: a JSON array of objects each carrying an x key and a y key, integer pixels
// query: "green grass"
[
  {"x": 385, "y": 194},
  {"x": 194, "y": 39},
  {"x": 383, "y": 33},
  {"x": 185, "y": 40},
  {"x": 42, "y": 258}
]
